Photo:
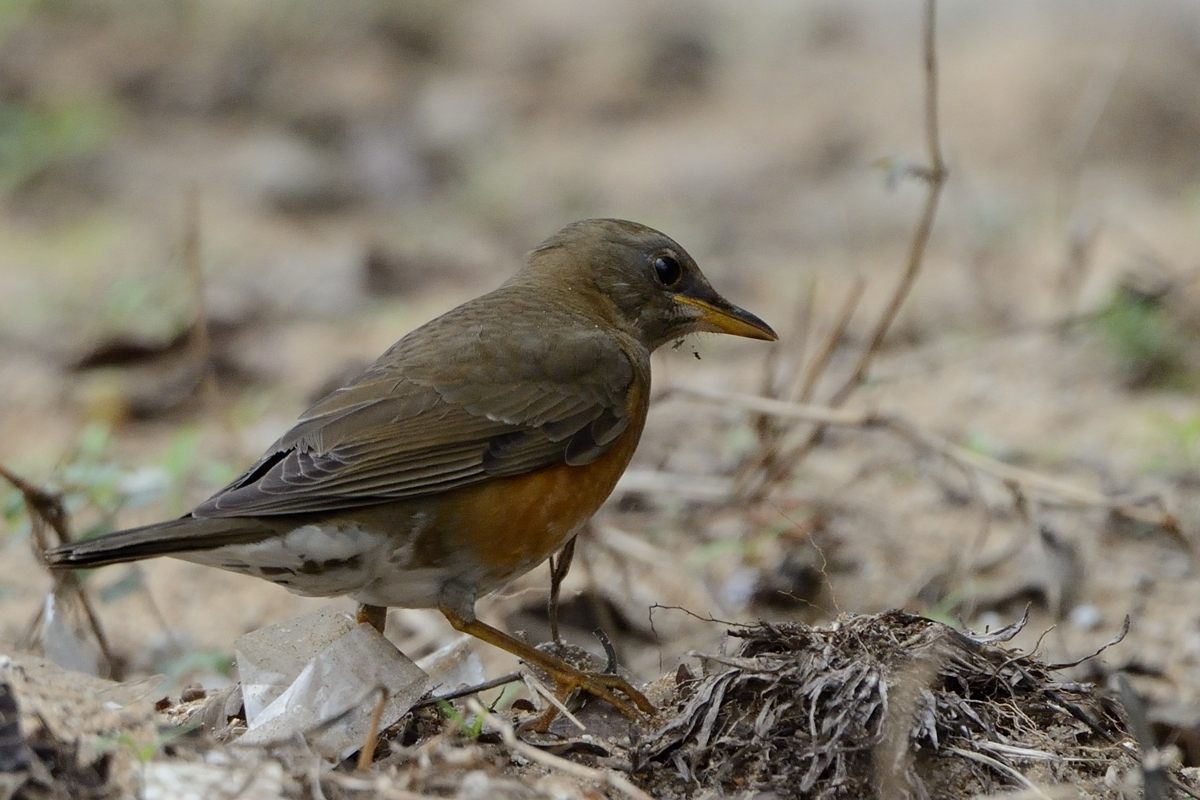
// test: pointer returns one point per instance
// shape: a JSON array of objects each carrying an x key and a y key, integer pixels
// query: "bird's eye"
[{"x": 667, "y": 270}]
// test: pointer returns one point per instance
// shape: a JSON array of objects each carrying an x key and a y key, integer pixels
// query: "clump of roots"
[{"x": 892, "y": 705}]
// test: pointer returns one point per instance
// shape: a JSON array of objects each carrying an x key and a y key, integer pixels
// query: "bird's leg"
[
  {"x": 566, "y": 677},
  {"x": 375, "y": 616},
  {"x": 559, "y": 567}
]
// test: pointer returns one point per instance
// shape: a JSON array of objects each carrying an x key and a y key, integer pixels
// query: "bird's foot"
[
  {"x": 603, "y": 685},
  {"x": 567, "y": 678}
]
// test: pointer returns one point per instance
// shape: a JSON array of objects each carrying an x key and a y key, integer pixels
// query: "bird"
[{"x": 470, "y": 452}]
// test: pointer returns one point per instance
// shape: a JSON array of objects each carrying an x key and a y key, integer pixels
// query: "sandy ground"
[{"x": 359, "y": 175}]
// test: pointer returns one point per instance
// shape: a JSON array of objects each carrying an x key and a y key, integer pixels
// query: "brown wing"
[{"x": 458, "y": 401}]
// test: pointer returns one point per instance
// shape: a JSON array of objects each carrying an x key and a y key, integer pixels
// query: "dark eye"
[{"x": 667, "y": 270}]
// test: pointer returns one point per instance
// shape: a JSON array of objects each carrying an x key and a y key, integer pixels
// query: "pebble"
[{"x": 1086, "y": 617}]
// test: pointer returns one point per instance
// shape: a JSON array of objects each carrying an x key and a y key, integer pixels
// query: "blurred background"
[{"x": 340, "y": 176}]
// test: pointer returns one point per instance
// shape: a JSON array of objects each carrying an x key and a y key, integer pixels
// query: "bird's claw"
[{"x": 602, "y": 685}]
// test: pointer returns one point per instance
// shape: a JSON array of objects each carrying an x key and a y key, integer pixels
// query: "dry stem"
[
  {"x": 200, "y": 341},
  {"x": 1140, "y": 510},
  {"x": 604, "y": 777},
  {"x": 935, "y": 177},
  {"x": 367, "y": 755},
  {"x": 46, "y": 513}
]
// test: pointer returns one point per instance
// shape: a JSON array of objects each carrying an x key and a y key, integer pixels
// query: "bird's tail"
[{"x": 185, "y": 535}]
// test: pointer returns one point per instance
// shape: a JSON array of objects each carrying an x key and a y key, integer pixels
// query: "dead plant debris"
[{"x": 893, "y": 705}]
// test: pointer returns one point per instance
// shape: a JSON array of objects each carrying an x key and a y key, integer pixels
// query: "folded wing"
[{"x": 457, "y": 402}]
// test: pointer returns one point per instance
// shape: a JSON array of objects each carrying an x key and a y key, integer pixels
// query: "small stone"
[
  {"x": 192, "y": 692},
  {"x": 683, "y": 675},
  {"x": 1086, "y": 617}
]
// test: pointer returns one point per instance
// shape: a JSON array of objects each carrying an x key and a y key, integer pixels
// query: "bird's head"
[{"x": 640, "y": 278}]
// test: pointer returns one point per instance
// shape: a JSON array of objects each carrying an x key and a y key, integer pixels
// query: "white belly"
[{"x": 324, "y": 561}]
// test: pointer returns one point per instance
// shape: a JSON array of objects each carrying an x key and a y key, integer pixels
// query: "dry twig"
[
  {"x": 503, "y": 680},
  {"x": 1154, "y": 773},
  {"x": 201, "y": 343},
  {"x": 934, "y": 175},
  {"x": 49, "y": 521},
  {"x": 1146, "y": 509},
  {"x": 820, "y": 362},
  {"x": 608, "y": 778},
  {"x": 367, "y": 754},
  {"x": 771, "y": 466},
  {"x": 536, "y": 687},
  {"x": 1004, "y": 769}
]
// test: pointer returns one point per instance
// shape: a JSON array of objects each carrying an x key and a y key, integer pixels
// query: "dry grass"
[{"x": 892, "y": 705}]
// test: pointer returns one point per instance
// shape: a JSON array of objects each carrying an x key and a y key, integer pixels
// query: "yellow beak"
[{"x": 721, "y": 316}]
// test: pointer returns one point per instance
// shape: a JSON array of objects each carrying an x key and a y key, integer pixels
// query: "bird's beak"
[{"x": 718, "y": 315}]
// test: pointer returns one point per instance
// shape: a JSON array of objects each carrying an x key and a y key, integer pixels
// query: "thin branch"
[
  {"x": 201, "y": 342},
  {"x": 820, "y": 362},
  {"x": 503, "y": 680},
  {"x": 1012, "y": 773},
  {"x": 780, "y": 382},
  {"x": 1154, "y": 773},
  {"x": 773, "y": 466},
  {"x": 608, "y": 778},
  {"x": 536, "y": 687},
  {"x": 378, "y": 786},
  {"x": 46, "y": 514},
  {"x": 367, "y": 755},
  {"x": 1138, "y": 509},
  {"x": 804, "y": 325},
  {"x": 934, "y": 176}
]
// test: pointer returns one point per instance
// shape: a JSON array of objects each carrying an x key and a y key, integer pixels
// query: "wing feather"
[{"x": 458, "y": 401}]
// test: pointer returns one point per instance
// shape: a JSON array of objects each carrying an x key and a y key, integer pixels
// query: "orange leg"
[
  {"x": 375, "y": 616},
  {"x": 566, "y": 677}
]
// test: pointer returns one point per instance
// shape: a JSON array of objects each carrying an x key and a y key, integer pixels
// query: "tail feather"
[{"x": 185, "y": 535}]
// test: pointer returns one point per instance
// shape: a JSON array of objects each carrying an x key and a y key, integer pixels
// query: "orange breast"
[{"x": 510, "y": 525}]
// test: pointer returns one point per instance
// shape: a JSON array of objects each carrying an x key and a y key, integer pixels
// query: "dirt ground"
[{"x": 357, "y": 172}]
